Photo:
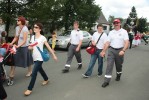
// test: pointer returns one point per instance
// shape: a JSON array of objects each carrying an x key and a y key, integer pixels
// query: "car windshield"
[{"x": 65, "y": 33}]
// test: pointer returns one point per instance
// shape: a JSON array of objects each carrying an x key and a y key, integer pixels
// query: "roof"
[{"x": 102, "y": 19}]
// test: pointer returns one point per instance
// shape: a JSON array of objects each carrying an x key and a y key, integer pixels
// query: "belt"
[
  {"x": 74, "y": 44},
  {"x": 116, "y": 48}
]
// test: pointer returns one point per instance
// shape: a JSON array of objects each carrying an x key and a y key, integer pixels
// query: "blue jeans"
[
  {"x": 37, "y": 67},
  {"x": 95, "y": 56}
]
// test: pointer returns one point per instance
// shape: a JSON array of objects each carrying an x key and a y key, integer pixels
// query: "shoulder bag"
[
  {"x": 92, "y": 49},
  {"x": 45, "y": 54}
]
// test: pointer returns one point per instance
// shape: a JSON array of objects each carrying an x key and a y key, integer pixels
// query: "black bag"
[{"x": 9, "y": 60}]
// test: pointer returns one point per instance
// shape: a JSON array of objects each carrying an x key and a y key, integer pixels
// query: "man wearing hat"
[{"x": 117, "y": 43}]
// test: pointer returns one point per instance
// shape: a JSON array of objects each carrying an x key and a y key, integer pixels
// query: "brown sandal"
[
  {"x": 45, "y": 82},
  {"x": 27, "y": 92},
  {"x": 29, "y": 74}
]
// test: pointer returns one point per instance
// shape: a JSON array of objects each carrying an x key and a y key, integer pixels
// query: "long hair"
[{"x": 41, "y": 27}]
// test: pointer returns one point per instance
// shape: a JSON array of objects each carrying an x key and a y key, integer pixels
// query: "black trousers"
[
  {"x": 3, "y": 93},
  {"x": 130, "y": 40}
]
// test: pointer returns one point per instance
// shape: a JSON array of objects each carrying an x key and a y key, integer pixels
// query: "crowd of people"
[
  {"x": 27, "y": 55},
  {"x": 116, "y": 43},
  {"x": 135, "y": 38}
]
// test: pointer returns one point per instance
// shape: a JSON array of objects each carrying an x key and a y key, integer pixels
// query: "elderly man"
[{"x": 117, "y": 43}]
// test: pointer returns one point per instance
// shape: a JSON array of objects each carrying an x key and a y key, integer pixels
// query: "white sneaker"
[
  {"x": 85, "y": 76},
  {"x": 99, "y": 75}
]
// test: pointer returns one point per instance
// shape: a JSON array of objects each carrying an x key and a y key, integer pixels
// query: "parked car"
[{"x": 63, "y": 40}]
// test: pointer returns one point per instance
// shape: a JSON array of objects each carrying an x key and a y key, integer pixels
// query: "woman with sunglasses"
[
  {"x": 23, "y": 57},
  {"x": 40, "y": 41}
]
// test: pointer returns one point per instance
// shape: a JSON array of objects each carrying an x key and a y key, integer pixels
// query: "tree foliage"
[
  {"x": 142, "y": 25},
  {"x": 10, "y": 9},
  {"x": 85, "y": 11},
  {"x": 52, "y": 13},
  {"x": 137, "y": 24}
]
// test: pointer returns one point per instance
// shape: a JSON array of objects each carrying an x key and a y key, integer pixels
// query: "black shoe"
[
  {"x": 105, "y": 84},
  {"x": 117, "y": 79},
  {"x": 118, "y": 76},
  {"x": 99, "y": 75},
  {"x": 85, "y": 76},
  {"x": 79, "y": 66},
  {"x": 65, "y": 70}
]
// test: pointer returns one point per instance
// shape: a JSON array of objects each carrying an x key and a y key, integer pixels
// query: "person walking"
[
  {"x": 99, "y": 39},
  {"x": 117, "y": 43},
  {"x": 130, "y": 34},
  {"x": 145, "y": 38},
  {"x": 23, "y": 57},
  {"x": 3, "y": 33},
  {"x": 76, "y": 38},
  {"x": 30, "y": 34},
  {"x": 2, "y": 26},
  {"x": 54, "y": 36},
  {"x": 38, "y": 61}
]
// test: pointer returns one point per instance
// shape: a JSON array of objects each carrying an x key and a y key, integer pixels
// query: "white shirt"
[
  {"x": 102, "y": 40},
  {"x": 117, "y": 38},
  {"x": 36, "y": 53},
  {"x": 76, "y": 36},
  {"x": 2, "y": 28},
  {"x": 24, "y": 30}
]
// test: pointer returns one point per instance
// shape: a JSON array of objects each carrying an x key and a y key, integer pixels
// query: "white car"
[{"x": 63, "y": 40}]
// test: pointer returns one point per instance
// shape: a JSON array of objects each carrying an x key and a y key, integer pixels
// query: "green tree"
[
  {"x": 10, "y": 9},
  {"x": 142, "y": 25},
  {"x": 85, "y": 11},
  {"x": 110, "y": 20},
  {"x": 132, "y": 20},
  {"x": 52, "y": 13}
]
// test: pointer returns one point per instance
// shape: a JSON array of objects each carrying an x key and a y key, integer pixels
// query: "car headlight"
[{"x": 60, "y": 41}]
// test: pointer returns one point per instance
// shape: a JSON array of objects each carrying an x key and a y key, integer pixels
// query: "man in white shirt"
[
  {"x": 117, "y": 43},
  {"x": 99, "y": 39},
  {"x": 76, "y": 38}
]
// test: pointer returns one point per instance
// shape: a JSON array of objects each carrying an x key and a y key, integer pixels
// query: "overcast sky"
[{"x": 122, "y": 8}]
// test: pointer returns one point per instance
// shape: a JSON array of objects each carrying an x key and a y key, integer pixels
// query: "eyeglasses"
[{"x": 36, "y": 27}]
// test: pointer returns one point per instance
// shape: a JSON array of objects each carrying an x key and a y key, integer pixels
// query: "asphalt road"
[{"x": 134, "y": 84}]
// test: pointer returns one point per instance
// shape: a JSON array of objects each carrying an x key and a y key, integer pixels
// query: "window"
[{"x": 104, "y": 27}]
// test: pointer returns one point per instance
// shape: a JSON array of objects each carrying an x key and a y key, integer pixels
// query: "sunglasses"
[
  {"x": 36, "y": 27},
  {"x": 116, "y": 23}
]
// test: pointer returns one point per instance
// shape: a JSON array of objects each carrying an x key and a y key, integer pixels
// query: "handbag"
[
  {"x": 45, "y": 54},
  {"x": 92, "y": 48}
]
